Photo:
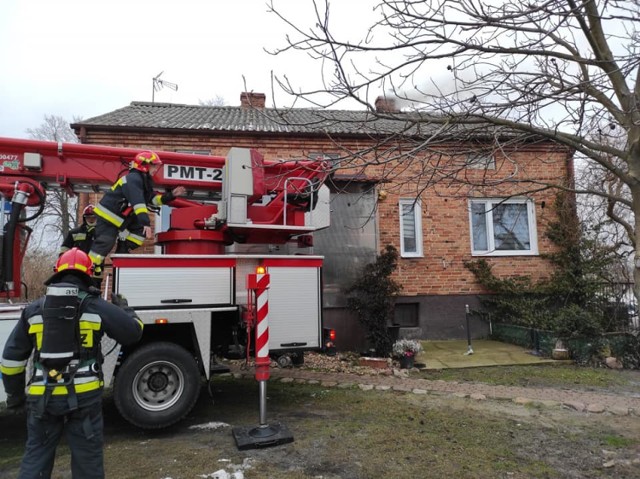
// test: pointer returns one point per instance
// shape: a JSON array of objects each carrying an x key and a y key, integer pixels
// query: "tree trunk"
[{"x": 635, "y": 195}]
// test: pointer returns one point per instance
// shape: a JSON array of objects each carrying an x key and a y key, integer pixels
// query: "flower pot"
[{"x": 406, "y": 362}]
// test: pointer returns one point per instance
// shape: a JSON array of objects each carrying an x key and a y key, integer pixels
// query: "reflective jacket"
[
  {"x": 131, "y": 194},
  {"x": 97, "y": 318},
  {"x": 80, "y": 237}
]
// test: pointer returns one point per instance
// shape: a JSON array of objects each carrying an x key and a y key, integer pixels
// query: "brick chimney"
[
  {"x": 386, "y": 105},
  {"x": 252, "y": 100}
]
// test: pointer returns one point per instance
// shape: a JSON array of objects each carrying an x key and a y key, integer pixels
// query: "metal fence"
[{"x": 619, "y": 303}]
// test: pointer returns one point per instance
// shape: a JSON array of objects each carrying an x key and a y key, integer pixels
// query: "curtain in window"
[
  {"x": 409, "y": 228},
  {"x": 479, "y": 227},
  {"x": 511, "y": 226}
]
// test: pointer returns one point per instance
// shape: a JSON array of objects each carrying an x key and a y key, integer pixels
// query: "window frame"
[
  {"x": 491, "y": 251},
  {"x": 195, "y": 152},
  {"x": 480, "y": 161},
  {"x": 402, "y": 311},
  {"x": 417, "y": 217}
]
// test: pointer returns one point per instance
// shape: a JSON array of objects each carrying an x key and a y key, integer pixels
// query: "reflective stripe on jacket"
[
  {"x": 130, "y": 194},
  {"x": 81, "y": 237}
]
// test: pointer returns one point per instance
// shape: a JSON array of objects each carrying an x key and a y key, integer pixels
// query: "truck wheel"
[
  {"x": 284, "y": 361},
  {"x": 297, "y": 358},
  {"x": 157, "y": 385}
]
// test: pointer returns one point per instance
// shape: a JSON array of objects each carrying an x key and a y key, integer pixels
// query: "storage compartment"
[{"x": 174, "y": 281}]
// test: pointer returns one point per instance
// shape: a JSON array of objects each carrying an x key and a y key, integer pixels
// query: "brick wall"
[{"x": 445, "y": 219}]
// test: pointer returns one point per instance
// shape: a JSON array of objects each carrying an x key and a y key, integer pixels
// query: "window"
[
  {"x": 480, "y": 161},
  {"x": 406, "y": 315},
  {"x": 410, "y": 228},
  {"x": 321, "y": 155},
  {"x": 332, "y": 158},
  {"x": 503, "y": 227},
  {"x": 195, "y": 152}
]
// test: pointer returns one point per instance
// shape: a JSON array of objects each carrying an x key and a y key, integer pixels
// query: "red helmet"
[
  {"x": 144, "y": 160},
  {"x": 88, "y": 210},
  {"x": 74, "y": 260}
]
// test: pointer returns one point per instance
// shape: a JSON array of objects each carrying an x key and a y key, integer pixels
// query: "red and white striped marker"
[
  {"x": 260, "y": 284},
  {"x": 264, "y": 434}
]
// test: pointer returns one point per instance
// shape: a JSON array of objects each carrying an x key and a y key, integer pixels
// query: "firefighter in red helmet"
[
  {"x": 82, "y": 237},
  {"x": 62, "y": 331},
  {"x": 123, "y": 212}
]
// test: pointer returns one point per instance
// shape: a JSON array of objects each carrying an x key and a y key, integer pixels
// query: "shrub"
[{"x": 372, "y": 297}]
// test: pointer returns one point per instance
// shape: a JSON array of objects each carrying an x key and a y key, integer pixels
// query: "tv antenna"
[{"x": 160, "y": 84}]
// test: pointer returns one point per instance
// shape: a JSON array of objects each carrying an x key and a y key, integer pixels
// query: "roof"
[{"x": 233, "y": 119}]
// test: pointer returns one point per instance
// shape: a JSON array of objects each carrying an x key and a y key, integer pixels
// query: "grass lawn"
[{"x": 543, "y": 375}]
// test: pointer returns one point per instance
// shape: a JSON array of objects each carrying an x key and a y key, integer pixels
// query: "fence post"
[{"x": 466, "y": 315}]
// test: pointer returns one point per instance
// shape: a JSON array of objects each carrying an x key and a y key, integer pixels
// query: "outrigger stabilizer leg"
[{"x": 263, "y": 435}]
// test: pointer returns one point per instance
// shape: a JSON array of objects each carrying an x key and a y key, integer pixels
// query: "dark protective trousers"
[
  {"x": 83, "y": 430},
  {"x": 107, "y": 235}
]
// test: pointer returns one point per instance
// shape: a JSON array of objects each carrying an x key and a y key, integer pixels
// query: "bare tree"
[
  {"x": 218, "y": 100},
  {"x": 564, "y": 70},
  {"x": 603, "y": 219},
  {"x": 60, "y": 212}
]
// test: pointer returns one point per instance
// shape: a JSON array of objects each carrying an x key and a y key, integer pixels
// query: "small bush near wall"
[{"x": 372, "y": 298}]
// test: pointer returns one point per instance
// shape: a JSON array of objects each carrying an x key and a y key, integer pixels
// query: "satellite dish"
[{"x": 159, "y": 84}]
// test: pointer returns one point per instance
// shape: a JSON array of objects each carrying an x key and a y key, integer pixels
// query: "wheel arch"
[{"x": 182, "y": 334}]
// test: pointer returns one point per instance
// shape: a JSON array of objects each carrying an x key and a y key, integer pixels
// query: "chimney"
[
  {"x": 252, "y": 100},
  {"x": 386, "y": 105}
]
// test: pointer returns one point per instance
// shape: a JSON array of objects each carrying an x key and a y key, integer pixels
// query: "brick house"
[{"x": 435, "y": 225}]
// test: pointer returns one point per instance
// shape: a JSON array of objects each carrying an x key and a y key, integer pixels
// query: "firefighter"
[
  {"x": 123, "y": 213},
  {"x": 82, "y": 236},
  {"x": 64, "y": 395}
]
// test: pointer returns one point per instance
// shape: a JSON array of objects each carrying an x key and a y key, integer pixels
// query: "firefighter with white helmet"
[
  {"x": 123, "y": 210},
  {"x": 63, "y": 331}
]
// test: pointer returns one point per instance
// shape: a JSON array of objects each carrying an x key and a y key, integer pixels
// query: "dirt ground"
[{"x": 346, "y": 432}]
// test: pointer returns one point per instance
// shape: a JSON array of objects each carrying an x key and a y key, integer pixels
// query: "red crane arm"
[{"x": 240, "y": 198}]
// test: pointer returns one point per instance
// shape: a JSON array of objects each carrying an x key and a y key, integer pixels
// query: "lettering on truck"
[{"x": 192, "y": 173}]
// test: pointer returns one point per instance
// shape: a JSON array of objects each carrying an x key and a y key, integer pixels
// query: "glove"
[
  {"x": 167, "y": 197},
  {"x": 93, "y": 291},
  {"x": 119, "y": 300}
]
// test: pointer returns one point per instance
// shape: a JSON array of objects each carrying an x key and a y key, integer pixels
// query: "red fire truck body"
[{"x": 193, "y": 297}]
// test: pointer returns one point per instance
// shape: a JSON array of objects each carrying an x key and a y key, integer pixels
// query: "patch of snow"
[
  {"x": 236, "y": 468},
  {"x": 209, "y": 425},
  {"x": 222, "y": 474}
]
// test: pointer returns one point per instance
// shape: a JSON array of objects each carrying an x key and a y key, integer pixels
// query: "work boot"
[{"x": 122, "y": 247}]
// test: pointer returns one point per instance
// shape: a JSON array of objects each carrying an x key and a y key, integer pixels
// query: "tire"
[
  {"x": 157, "y": 385},
  {"x": 284, "y": 361},
  {"x": 297, "y": 358}
]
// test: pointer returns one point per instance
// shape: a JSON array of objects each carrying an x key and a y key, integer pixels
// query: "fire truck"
[{"x": 240, "y": 213}]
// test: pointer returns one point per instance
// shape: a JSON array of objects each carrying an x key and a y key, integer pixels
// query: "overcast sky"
[{"x": 79, "y": 58}]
